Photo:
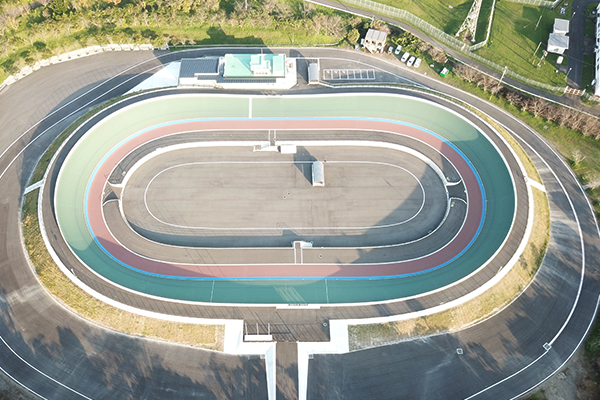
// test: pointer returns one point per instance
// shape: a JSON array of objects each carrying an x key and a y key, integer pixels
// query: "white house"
[
  {"x": 558, "y": 42},
  {"x": 561, "y": 26}
]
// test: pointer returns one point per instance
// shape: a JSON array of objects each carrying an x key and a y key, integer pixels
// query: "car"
[
  {"x": 411, "y": 60},
  {"x": 405, "y": 56},
  {"x": 390, "y": 49},
  {"x": 417, "y": 62},
  {"x": 398, "y": 49}
]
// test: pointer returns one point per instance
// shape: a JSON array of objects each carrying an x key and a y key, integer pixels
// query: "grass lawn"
[
  {"x": 482, "y": 22},
  {"x": 588, "y": 71},
  {"x": 446, "y": 15},
  {"x": 589, "y": 8},
  {"x": 517, "y": 30}
]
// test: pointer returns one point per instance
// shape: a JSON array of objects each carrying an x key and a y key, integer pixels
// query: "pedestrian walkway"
[{"x": 287, "y": 371}]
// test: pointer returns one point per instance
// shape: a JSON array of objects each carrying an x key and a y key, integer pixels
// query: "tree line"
[
  {"x": 563, "y": 116},
  {"x": 33, "y": 31}
]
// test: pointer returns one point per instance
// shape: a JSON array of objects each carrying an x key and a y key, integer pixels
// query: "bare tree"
[
  {"x": 514, "y": 98},
  {"x": 576, "y": 120},
  {"x": 438, "y": 55},
  {"x": 467, "y": 73},
  {"x": 593, "y": 181},
  {"x": 537, "y": 106},
  {"x": 577, "y": 156},
  {"x": 591, "y": 127}
]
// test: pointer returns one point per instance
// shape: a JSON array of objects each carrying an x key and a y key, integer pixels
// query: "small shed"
[
  {"x": 375, "y": 40},
  {"x": 288, "y": 149},
  {"x": 561, "y": 26},
  {"x": 318, "y": 173},
  {"x": 313, "y": 73},
  {"x": 557, "y": 43}
]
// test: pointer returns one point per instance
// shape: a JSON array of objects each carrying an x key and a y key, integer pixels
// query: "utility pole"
[
  {"x": 503, "y": 73},
  {"x": 536, "y": 25}
]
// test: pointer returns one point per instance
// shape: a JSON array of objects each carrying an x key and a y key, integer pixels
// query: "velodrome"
[{"x": 555, "y": 310}]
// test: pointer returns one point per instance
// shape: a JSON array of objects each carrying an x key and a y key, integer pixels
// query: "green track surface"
[{"x": 90, "y": 150}]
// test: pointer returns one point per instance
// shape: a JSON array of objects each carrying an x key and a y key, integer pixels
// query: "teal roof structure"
[{"x": 254, "y": 65}]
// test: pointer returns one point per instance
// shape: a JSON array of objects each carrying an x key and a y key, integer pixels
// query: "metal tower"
[{"x": 470, "y": 23}]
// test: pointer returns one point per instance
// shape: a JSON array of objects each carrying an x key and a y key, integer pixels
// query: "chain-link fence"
[
  {"x": 457, "y": 44},
  {"x": 539, "y": 3}
]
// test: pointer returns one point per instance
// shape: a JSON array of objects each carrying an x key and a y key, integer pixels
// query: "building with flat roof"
[
  {"x": 239, "y": 71},
  {"x": 375, "y": 40},
  {"x": 193, "y": 68},
  {"x": 318, "y": 173},
  {"x": 561, "y": 26},
  {"x": 558, "y": 42}
]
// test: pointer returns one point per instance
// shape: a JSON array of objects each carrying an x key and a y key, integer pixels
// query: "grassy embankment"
[{"x": 69, "y": 294}]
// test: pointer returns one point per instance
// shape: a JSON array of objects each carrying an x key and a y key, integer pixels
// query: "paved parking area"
[{"x": 349, "y": 74}]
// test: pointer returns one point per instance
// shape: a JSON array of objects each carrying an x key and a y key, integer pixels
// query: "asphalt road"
[
  {"x": 60, "y": 356},
  {"x": 576, "y": 34}
]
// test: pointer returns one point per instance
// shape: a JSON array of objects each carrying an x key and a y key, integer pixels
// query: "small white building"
[
  {"x": 557, "y": 43},
  {"x": 313, "y": 73},
  {"x": 318, "y": 173},
  {"x": 561, "y": 26},
  {"x": 375, "y": 40},
  {"x": 288, "y": 149}
]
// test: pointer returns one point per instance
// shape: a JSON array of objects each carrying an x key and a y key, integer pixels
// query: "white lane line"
[
  {"x": 42, "y": 373},
  {"x": 34, "y": 186},
  {"x": 535, "y": 184}
]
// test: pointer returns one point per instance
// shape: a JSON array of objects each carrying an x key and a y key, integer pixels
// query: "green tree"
[
  {"x": 59, "y": 8},
  {"x": 353, "y": 36}
]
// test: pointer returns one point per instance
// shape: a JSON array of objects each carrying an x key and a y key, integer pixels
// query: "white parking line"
[{"x": 349, "y": 74}]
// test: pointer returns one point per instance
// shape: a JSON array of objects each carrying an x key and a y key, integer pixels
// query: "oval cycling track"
[
  {"x": 91, "y": 160},
  {"x": 60, "y": 356}
]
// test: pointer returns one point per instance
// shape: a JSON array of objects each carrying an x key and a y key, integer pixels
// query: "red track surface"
[{"x": 101, "y": 231}]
